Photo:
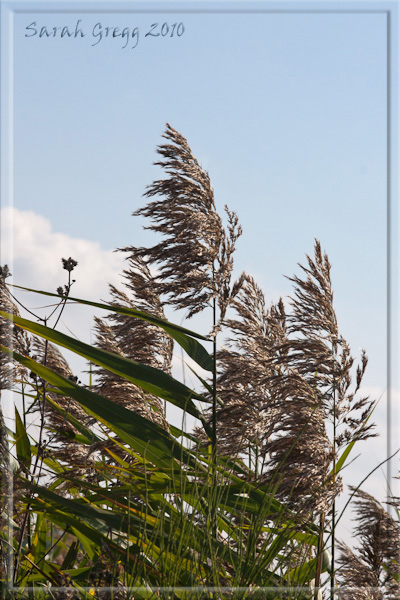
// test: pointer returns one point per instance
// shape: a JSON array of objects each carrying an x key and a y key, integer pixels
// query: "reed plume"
[
  {"x": 311, "y": 385},
  {"x": 195, "y": 257},
  {"x": 322, "y": 356},
  {"x": 247, "y": 415},
  {"x": 11, "y": 372},
  {"x": 11, "y": 336},
  {"x": 372, "y": 570},
  {"x": 134, "y": 339},
  {"x": 300, "y": 450}
]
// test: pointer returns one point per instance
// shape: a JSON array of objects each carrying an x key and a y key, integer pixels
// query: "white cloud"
[{"x": 33, "y": 252}]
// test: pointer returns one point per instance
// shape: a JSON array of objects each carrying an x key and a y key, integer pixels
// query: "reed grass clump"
[
  {"x": 372, "y": 568},
  {"x": 113, "y": 501}
]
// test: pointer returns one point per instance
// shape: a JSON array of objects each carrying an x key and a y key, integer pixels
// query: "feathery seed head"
[
  {"x": 372, "y": 569},
  {"x": 12, "y": 337},
  {"x": 194, "y": 257},
  {"x": 134, "y": 339}
]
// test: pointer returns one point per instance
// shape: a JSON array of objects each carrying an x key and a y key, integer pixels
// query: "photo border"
[{"x": 390, "y": 9}]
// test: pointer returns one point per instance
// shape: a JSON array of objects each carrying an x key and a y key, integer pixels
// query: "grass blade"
[
  {"x": 186, "y": 338},
  {"x": 147, "y": 378},
  {"x": 149, "y": 439}
]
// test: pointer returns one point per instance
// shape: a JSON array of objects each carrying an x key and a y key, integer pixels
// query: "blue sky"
[{"x": 286, "y": 110}]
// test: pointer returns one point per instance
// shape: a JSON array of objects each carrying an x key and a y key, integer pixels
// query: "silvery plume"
[
  {"x": 246, "y": 413},
  {"x": 300, "y": 451},
  {"x": 11, "y": 372},
  {"x": 372, "y": 570},
  {"x": 322, "y": 356},
  {"x": 134, "y": 339},
  {"x": 11, "y": 336},
  {"x": 194, "y": 258},
  {"x": 311, "y": 386}
]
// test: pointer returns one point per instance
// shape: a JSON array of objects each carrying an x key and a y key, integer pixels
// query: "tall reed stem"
[
  {"x": 333, "y": 527},
  {"x": 214, "y": 387},
  {"x": 214, "y": 482},
  {"x": 214, "y": 427},
  {"x": 319, "y": 555},
  {"x": 333, "y": 550}
]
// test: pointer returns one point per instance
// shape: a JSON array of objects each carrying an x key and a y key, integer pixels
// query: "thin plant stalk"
[
  {"x": 333, "y": 524},
  {"x": 214, "y": 530},
  {"x": 320, "y": 552},
  {"x": 333, "y": 510}
]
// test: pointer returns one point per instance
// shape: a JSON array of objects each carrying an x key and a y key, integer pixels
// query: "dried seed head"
[
  {"x": 134, "y": 339},
  {"x": 12, "y": 337},
  {"x": 194, "y": 258},
  {"x": 247, "y": 414},
  {"x": 310, "y": 385},
  {"x": 372, "y": 570},
  {"x": 69, "y": 264},
  {"x": 300, "y": 451},
  {"x": 317, "y": 351}
]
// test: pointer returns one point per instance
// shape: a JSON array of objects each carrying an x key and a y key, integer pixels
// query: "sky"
[{"x": 286, "y": 109}]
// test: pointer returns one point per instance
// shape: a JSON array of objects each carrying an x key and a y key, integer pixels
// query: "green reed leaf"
[
  {"x": 148, "y": 378},
  {"x": 150, "y": 440},
  {"x": 184, "y": 337},
  {"x": 22, "y": 443}
]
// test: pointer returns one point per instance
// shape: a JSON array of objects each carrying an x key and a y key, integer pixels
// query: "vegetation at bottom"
[{"x": 102, "y": 497}]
